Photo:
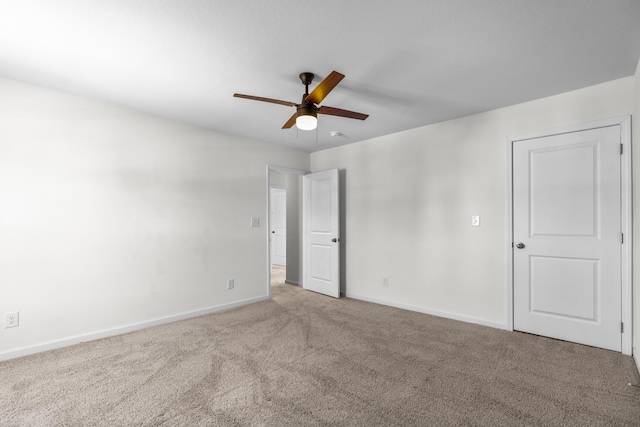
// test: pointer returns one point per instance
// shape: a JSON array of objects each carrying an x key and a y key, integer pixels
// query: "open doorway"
[{"x": 284, "y": 198}]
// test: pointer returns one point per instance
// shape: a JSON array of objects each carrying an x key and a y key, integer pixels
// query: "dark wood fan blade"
[
  {"x": 318, "y": 94},
  {"x": 290, "y": 122},
  {"x": 258, "y": 98},
  {"x": 332, "y": 111}
]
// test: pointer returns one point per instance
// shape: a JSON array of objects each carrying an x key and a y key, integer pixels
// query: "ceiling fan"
[{"x": 306, "y": 115}]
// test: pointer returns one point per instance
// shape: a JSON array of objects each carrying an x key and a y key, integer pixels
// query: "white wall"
[
  {"x": 294, "y": 229},
  {"x": 112, "y": 218},
  {"x": 410, "y": 197},
  {"x": 277, "y": 179}
]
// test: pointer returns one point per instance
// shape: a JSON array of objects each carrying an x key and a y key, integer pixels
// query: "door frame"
[
  {"x": 281, "y": 169},
  {"x": 626, "y": 220}
]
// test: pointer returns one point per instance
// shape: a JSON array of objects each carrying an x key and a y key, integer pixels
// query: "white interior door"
[
  {"x": 322, "y": 233},
  {"x": 567, "y": 237},
  {"x": 278, "y": 225}
]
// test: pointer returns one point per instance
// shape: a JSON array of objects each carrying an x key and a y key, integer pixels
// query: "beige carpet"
[
  {"x": 278, "y": 275},
  {"x": 303, "y": 359}
]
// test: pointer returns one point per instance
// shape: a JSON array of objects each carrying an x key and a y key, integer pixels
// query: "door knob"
[
  {"x": 273, "y": 232},
  {"x": 520, "y": 245},
  {"x": 335, "y": 240}
]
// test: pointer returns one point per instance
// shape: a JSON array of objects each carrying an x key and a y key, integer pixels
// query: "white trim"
[
  {"x": 626, "y": 193},
  {"x": 613, "y": 121},
  {"x": 636, "y": 358},
  {"x": 626, "y": 221},
  {"x": 293, "y": 282},
  {"x": 509, "y": 234},
  {"x": 289, "y": 171},
  {"x": 453, "y": 316},
  {"x": 65, "y": 342},
  {"x": 280, "y": 169}
]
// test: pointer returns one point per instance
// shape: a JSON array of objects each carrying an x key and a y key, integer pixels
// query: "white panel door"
[
  {"x": 278, "y": 230},
  {"x": 567, "y": 237},
  {"x": 322, "y": 233}
]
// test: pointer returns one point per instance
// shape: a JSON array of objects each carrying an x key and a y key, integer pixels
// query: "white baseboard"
[
  {"x": 636, "y": 357},
  {"x": 291, "y": 282},
  {"x": 51, "y": 345},
  {"x": 445, "y": 314}
]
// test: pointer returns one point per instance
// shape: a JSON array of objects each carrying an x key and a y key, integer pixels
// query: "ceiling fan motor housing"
[{"x": 307, "y": 109}]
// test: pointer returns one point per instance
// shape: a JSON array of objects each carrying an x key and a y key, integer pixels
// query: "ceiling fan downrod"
[
  {"x": 306, "y": 108},
  {"x": 306, "y": 79}
]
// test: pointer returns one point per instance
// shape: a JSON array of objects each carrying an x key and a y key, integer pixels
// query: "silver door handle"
[{"x": 520, "y": 245}]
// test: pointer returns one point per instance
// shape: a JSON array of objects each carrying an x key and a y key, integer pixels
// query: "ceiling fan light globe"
[{"x": 306, "y": 122}]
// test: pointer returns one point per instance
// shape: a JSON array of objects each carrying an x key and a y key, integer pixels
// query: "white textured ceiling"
[{"x": 407, "y": 63}]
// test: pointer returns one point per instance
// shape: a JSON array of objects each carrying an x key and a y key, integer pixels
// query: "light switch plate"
[
  {"x": 255, "y": 222},
  {"x": 475, "y": 220}
]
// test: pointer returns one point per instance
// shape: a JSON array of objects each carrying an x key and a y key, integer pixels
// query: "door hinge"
[
  {"x": 621, "y": 149},
  {"x": 621, "y": 327},
  {"x": 621, "y": 237}
]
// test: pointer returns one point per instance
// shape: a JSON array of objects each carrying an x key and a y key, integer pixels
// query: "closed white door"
[
  {"x": 322, "y": 233},
  {"x": 567, "y": 237},
  {"x": 278, "y": 226}
]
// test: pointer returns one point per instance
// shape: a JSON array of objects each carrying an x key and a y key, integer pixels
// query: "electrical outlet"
[
  {"x": 12, "y": 319},
  {"x": 385, "y": 281},
  {"x": 231, "y": 283},
  {"x": 475, "y": 220}
]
